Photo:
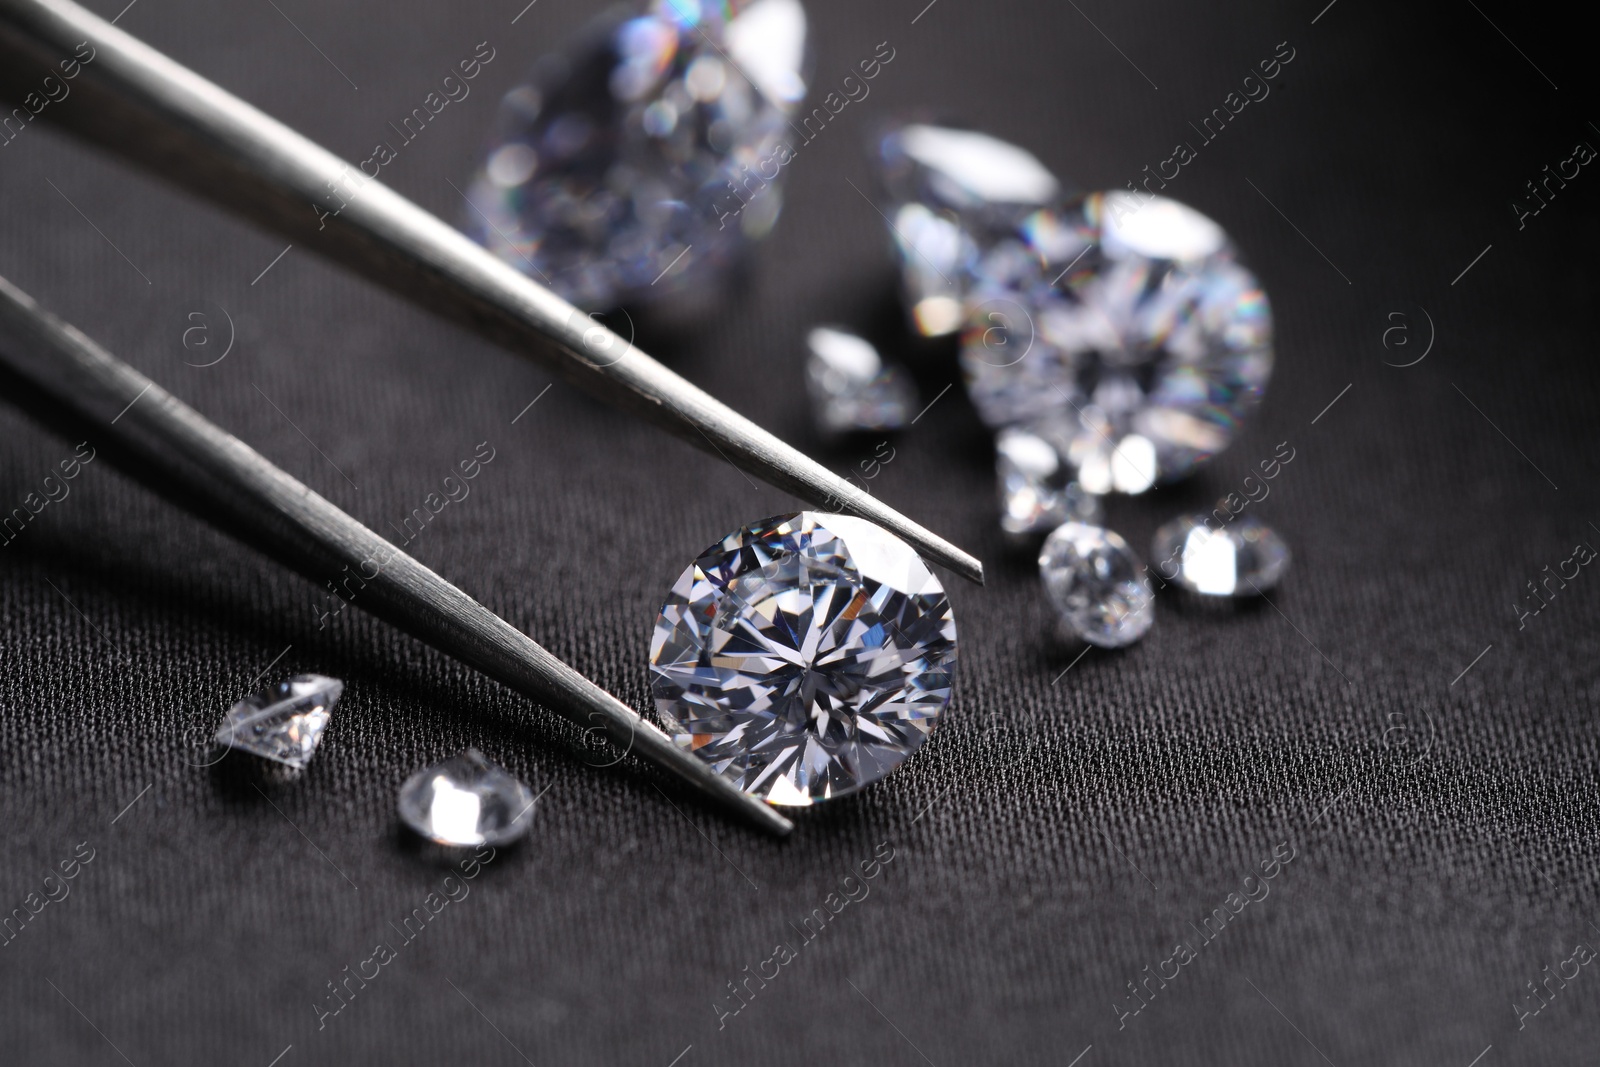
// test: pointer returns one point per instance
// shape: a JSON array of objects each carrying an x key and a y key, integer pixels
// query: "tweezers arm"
[
  {"x": 167, "y": 444},
  {"x": 155, "y": 112}
]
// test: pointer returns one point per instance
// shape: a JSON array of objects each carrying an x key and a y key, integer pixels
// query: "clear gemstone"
[
  {"x": 1243, "y": 558},
  {"x": 1037, "y": 490},
  {"x": 851, "y": 388},
  {"x": 804, "y": 657},
  {"x": 283, "y": 723},
  {"x": 1128, "y": 322},
  {"x": 1097, "y": 584},
  {"x": 466, "y": 800},
  {"x": 953, "y": 191},
  {"x": 639, "y": 163}
]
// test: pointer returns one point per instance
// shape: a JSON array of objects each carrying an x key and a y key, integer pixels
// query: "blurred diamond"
[
  {"x": 804, "y": 657},
  {"x": 1243, "y": 558},
  {"x": 641, "y": 161},
  {"x": 1037, "y": 490},
  {"x": 1097, "y": 585},
  {"x": 283, "y": 723},
  {"x": 851, "y": 388},
  {"x": 953, "y": 192},
  {"x": 1127, "y": 322},
  {"x": 466, "y": 800}
]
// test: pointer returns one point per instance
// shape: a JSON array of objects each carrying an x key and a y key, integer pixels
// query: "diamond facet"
[
  {"x": 954, "y": 191},
  {"x": 1128, "y": 322},
  {"x": 1243, "y": 558},
  {"x": 851, "y": 388},
  {"x": 283, "y": 723},
  {"x": 1097, "y": 584},
  {"x": 466, "y": 800},
  {"x": 1037, "y": 490},
  {"x": 804, "y": 656},
  {"x": 641, "y": 161}
]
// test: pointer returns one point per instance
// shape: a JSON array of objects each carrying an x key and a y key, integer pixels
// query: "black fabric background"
[{"x": 1444, "y": 832}]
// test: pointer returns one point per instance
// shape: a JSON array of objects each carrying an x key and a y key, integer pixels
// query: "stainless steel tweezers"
[{"x": 141, "y": 105}]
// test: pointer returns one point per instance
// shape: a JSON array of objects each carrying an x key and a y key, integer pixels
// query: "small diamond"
[
  {"x": 283, "y": 723},
  {"x": 641, "y": 162},
  {"x": 466, "y": 800},
  {"x": 1037, "y": 491},
  {"x": 804, "y": 657},
  {"x": 851, "y": 388},
  {"x": 1129, "y": 321},
  {"x": 953, "y": 192},
  {"x": 1097, "y": 584},
  {"x": 1243, "y": 558}
]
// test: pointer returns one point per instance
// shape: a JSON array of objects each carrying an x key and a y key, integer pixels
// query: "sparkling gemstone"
[
  {"x": 851, "y": 388},
  {"x": 953, "y": 191},
  {"x": 804, "y": 657},
  {"x": 1243, "y": 558},
  {"x": 283, "y": 723},
  {"x": 1037, "y": 490},
  {"x": 1097, "y": 584},
  {"x": 640, "y": 162},
  {"x": 1128, "y": 322},
  {"x": 466, "y": 800}
]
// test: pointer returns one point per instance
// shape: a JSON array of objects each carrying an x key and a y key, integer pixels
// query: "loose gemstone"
[
  {"x": 850, "y": 386},
  {"x": 639, "y": 163},
  {"x": 282, "y": 723},
  {"x": 466, "y": 800},
  {"x": 804, "y": 657},
  {"x": 1243, "y": 558},
  {"x": 953, "y": 192},
  {"x": 1037, "y": 490},
  {"x": 1127, "y": 321},
  {"x": 1097, "y": 584}
]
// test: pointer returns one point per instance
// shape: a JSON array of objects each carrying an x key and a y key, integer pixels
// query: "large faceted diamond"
[
  {"x": 954, "y": 192},
  {"x": 1125, "y": 330},
  {"x": 804, "y": 656},
  {"x": 641, "y": 161}
]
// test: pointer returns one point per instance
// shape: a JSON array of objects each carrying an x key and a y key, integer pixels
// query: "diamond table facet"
[
  {"x": 640, "y": 162},
  {"x": 1243, "y": 558},
  {"x": 1097, "y": 584},
  {"x": 804, "y": 656},
  {"x": 283, "y": 723},
  {"x": 466, "y": 800}
]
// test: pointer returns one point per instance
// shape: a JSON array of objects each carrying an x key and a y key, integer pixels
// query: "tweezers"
[{"x": 158, "y": 114}]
